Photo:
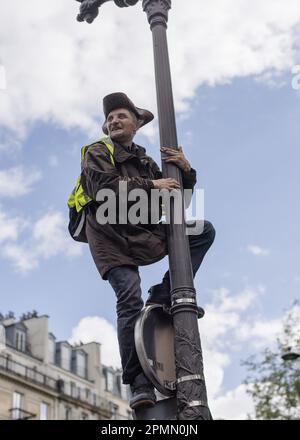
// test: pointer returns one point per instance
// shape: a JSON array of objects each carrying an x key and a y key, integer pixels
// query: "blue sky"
[{"x": 238, "y": 124}]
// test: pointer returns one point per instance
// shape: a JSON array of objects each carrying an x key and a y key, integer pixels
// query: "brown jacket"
[{"x": 114, "y": 245}]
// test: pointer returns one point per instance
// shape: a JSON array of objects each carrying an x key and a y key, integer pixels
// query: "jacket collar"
[{"x": 122, "y": 153}]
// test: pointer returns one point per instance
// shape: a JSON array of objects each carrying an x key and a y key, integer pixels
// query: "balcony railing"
[
  {"x": 21, "y": 414},
  {"x": 58, "y": 385},
  {"x": 27, "y": 373}
]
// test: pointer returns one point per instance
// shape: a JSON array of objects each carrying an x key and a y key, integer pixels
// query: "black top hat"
[{"x": 120, "y": 100}]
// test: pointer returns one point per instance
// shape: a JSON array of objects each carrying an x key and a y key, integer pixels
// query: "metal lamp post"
[{"x": 190, "y": 384}]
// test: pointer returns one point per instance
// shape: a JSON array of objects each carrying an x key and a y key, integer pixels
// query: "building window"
[
  {"x": 109, "y": 381},
  {"x": 122, "y": 389},
  {"x": 65, "y": 357},
  {"x": 81, "y": 364},
  {"x": 73, "y": 390},
  {"x": 114, "y": 411},
  {"x": 84, "y": 416},
  {"x": 51, "y": 345},
  {"x": 17, "y": 405},
  {"x": 44, "y": 411},
  {"x": 20, "y": 340},
  {"x": 94, "y": 399},
  {"x": 68, "y": 413}
]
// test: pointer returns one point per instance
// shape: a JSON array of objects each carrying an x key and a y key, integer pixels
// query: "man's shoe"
[
  {"x": 158, "y": 295},
  {"x": 142, "y": 392}
]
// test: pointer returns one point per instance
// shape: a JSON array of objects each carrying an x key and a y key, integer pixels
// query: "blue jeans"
[{"x": 126, "y": 282}]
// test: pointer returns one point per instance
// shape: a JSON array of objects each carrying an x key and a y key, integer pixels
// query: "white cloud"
[
  {"x": 46, "y": 238},
  {"x": 17, "y": 181},
  {"x": 96, "y": 329},
  {"x": 223, "y": 314},
  {"x": 260, "y": 332},
  {"x": 258, "y": 250},
  {"x": 296, "y": 77},
  {"x": 231, "y": 322},
  {"x": 58, "y": 69},
  {"x": 2, "y": 78},
  {"x": 10, "y": 227},
  {"x": 242, "y": 301},
  {"x": 24, "y": 260},
  {"x": 215, "y": 363},
  {"x": 50, "y": 236},
  {"x": 233, "y": 405}
]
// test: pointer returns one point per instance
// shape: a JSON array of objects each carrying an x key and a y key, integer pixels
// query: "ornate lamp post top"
[
  {"x": 156, "y": 10},
  {"x": 89, "y": 9}
]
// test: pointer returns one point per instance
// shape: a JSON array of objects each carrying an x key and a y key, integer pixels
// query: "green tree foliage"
[{"x": 274, "y": 384}]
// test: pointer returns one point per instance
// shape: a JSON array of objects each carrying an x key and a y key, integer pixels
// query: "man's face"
[{"x": 121, "y": 125}]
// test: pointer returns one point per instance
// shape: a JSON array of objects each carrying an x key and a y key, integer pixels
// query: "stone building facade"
[{"x": 41, "y": 378}]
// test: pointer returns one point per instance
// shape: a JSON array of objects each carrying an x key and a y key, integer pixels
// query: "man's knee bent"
[
  {"x": 203, "y": 229},
  {"x": 209, "y": 230}
]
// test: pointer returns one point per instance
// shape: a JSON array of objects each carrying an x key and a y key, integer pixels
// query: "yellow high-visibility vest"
[{"x": 78, "y": 198}]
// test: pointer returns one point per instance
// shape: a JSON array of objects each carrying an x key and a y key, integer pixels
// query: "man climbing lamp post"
[{"x": 190, "y": 383}]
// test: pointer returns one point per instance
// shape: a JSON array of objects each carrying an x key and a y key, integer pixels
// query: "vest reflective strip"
[
  {"x": 80, "y": 226},
  {"x": 110, "y": 148}
]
